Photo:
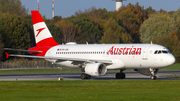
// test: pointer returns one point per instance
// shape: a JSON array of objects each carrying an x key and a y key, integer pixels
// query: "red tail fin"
[{"x": 43, "y": 36}]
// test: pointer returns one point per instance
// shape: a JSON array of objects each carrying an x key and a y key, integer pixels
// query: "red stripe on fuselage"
[{"x": 47, "y": 42}]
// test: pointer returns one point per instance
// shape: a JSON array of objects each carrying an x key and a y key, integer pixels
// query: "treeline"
[{"x": 130, "y": 24}]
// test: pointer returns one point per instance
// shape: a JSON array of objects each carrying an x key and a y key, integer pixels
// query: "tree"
[
  {"x": 55, "y": 31},
  {"x": 176, "y": 16},
  {"x": 170, "y": 41},
  {"x": 1, "y": 48},
  {"x": 94, "y": 14},
  {"x": 57, "y": 18},
  {"x": 69, "y": 31},
  {"x": 12, "y": 7},
  {"x": 149, "y": 10},
  {"x": 15, "y": 32},
  {"x": 87, "y": 26},
  {"x": 114, "y": 33},
  {"x": 132, "y": 17},
  {"x": 99, "y": 16},
  {"x": 110, "y": 37},
  {"x": 157, "y": 25}
]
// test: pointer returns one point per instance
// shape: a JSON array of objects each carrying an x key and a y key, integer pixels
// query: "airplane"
[{"x": 96, "y": 59}]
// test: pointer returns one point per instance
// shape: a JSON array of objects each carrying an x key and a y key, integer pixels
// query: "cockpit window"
[
  {"x": 169, "y": 52},
  {"x": 164, "y": 51},
  {"x": 161, "y": 51},
  {"x": 155, "y": 52}
]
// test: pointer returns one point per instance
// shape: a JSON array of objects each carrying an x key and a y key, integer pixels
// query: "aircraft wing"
[
  {"x": 22, "y": 50},
  {"x": 60, "y": 58}
]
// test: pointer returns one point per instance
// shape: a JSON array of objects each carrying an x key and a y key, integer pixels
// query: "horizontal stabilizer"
[{"x": 22, "y": 50}]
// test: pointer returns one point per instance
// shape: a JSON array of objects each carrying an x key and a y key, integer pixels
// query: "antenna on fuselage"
[{"x": 151, "y": 42}]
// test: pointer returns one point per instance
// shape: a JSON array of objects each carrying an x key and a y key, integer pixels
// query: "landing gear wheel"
[
  {"x": 123, "y": 75},
  {"x": 153, "y": 73},
  {"x": 85, "y": 76},
  {"x": 120, "y": 76},
  {"x": 117, "y": 75},
  {"x": 88, "y": 76},
  {"x": 153, "y": 77}
]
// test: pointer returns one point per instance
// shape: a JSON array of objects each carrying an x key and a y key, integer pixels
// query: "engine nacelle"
[
  {"x": 95, "y": 69},
  {"x": 145, "y": 71}
]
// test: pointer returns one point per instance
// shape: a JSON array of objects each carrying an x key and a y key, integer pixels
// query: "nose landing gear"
[
  {"x": 153, "y": 73},
  {"x": 120, "y": 75}
]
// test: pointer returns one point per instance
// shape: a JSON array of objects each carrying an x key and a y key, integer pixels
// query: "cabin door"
[{"x": 145, "y": 53}]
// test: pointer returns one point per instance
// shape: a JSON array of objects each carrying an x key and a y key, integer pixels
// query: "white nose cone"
[{"x": 171, "y": 60}]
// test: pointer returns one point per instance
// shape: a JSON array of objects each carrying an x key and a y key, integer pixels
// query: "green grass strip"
[
  {"x": 173, "y": 67},
  {"x": 96, "y": 90}
]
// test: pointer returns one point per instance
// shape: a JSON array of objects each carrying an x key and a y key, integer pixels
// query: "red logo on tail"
[{"x": 39, "y": 31}]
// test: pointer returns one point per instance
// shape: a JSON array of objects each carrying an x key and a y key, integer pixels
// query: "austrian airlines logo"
[
  {"x": 124, "y": 51},
  {"x": 39, "y": 31}
]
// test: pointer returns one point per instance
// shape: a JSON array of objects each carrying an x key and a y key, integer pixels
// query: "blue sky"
[{"x": 66, "y": 8}]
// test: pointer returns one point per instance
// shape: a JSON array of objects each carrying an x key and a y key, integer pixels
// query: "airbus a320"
[{"x": 96, "y": 59}]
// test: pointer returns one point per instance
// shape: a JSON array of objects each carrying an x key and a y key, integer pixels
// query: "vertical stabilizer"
[{"x": 42, "y": 34}]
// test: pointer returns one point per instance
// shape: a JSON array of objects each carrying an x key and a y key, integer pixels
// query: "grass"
[
  {"x": 173, "y": 76},
  {"x": 96, "y": 90},
  {"x": 173, "y": 67}
]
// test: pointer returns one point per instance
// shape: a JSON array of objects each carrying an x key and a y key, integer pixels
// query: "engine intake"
[{"x": 95, "y": 69}]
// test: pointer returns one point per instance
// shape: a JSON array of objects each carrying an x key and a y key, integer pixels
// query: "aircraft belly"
[
  {"x": 116, "y": 64},
  {"x": 67, "y": 64}
]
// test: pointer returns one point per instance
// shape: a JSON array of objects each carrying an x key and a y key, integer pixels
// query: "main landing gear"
[
  {"x": 120, "y": 75},
  {"x": 85, "y": 76},
  {"x": 153, "y": 73}
]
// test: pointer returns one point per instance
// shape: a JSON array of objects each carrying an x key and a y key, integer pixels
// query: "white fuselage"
[{"x": 123, "y": 56}]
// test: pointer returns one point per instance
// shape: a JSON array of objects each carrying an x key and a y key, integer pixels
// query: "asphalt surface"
[{"x": 162, "y": 75}]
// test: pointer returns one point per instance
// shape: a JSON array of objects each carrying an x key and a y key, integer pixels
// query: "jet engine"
[
  {"x": 95, "y": 69},
  {"x": 146, "y": 71}
]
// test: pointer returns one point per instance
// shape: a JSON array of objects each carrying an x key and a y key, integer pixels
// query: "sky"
[{"x": 66, "y": 8}]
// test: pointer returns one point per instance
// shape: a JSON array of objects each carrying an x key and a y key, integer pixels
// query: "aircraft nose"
[{"x": 171, "y": 60}]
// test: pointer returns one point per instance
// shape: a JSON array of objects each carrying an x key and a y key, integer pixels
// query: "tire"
[
  {"x": 118, "y": 76},
  {"x": 123, "y": 76},
  {"x": 83, "y": 76},
  {"x": 153, "y": 77},
  {"x": 88, "y": 76}
]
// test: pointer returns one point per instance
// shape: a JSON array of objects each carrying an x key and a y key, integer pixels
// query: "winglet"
[{"x": 7, "y": 55}]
